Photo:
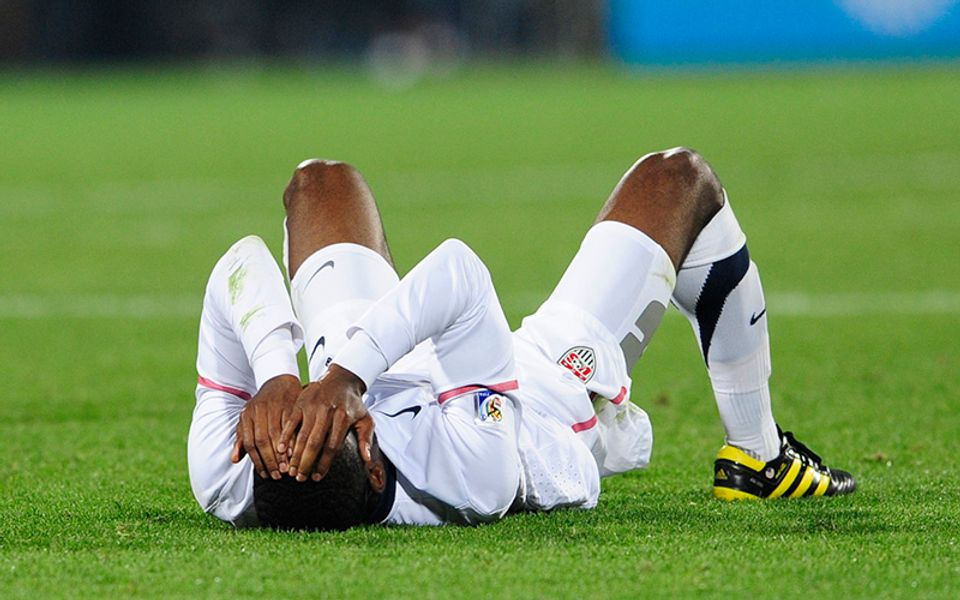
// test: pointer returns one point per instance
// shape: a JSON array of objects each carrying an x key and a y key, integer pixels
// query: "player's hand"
[
  {"x": 260, "y": 426},
  {"x": 324, "y": 413}
]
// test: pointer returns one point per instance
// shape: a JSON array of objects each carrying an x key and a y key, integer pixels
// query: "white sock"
[{"x": 718, "y": 290}]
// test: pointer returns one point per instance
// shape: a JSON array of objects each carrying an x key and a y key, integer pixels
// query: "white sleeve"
[
  {"x": 248, "y": 335},
  {"x": 248, "y": 332},
  {"x": 448, "y": 299}
]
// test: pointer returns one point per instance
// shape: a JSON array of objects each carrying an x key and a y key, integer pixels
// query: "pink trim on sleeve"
[
  {"x": 213, "y": 385},
  {"x": 620, "y": 397},
  {"x": 506, "y": 386},
  {"x": 584, "y": 425}
]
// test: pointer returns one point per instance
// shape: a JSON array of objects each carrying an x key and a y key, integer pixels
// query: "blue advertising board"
[{"x": 665, "y": 32}]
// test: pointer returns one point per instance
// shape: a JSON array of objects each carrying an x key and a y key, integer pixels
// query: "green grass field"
[{"x": 119, "y": 190}]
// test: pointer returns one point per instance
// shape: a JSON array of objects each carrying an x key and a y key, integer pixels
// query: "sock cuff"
[{"x": 721, "y": 238}]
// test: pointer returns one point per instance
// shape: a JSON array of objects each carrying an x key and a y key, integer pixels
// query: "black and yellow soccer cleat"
[{"x": 795, "y": 473}]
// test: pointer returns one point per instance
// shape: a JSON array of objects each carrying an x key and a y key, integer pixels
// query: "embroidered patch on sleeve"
[{"x": 489, "y": 407}]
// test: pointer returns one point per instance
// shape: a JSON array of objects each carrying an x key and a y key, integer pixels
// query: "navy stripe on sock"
[{"x": 724, "y": 275}]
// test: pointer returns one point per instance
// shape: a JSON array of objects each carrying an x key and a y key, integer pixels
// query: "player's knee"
[
  {"x": 683, "y": 173},
  {"x": 317, "y": 179}
]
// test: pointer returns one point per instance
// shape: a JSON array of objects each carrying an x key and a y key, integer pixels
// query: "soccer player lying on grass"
[{"x": 423, "y": 407}]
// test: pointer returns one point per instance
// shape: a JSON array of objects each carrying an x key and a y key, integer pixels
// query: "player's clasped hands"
[
  {"x": 287, "y": 428},
  {"x": 261, "y": 422},
  {"x": 322, "y": 416}
]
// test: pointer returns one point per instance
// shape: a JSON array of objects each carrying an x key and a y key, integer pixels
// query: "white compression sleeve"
[{"x": 718, "y": 290}]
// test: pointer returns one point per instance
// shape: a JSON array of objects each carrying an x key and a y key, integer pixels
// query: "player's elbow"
[
  {"x": 456, "y": 249},
  {"x": 461, "y": 260},
  {"x": 242, "y": 250},
  {"x": 222, "y": 500}
]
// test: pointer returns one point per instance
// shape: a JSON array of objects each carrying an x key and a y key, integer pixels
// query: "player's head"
[{"x": 348, "y": 495}]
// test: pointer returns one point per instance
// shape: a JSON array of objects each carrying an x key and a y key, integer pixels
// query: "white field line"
[
  {"x": 95, "y": 306},
  {"x": 181, "y": 306}
]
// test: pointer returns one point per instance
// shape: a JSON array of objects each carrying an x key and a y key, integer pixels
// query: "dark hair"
[{"x": 342, "y": 499}]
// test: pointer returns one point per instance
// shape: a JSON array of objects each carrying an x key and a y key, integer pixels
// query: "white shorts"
[{"x": 594, "y": 326}]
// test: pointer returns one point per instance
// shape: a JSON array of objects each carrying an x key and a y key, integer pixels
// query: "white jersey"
[{"x": 477, "y": 420}]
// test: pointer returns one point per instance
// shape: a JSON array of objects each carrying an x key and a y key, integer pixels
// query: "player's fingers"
[
  {"x": 277, "y": 420},
  {"x": 290, "y": 424},
  {"x": 275, "y": 426},
  {"x": 250, "y": 445},
  {"x": 364, "y": 428},
  {"x": 282, "y": 449},
  {"x": 306, "y": 425},
  {"x": 339, "y": 426},
  {"x": 261, "y": 437},
  {"x": 237, "y": 445},
  {"x": 313, "y": 443}
]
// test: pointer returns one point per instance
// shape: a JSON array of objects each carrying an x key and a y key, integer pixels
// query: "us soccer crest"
[
  {"x": 581, "y": 361},
  {"x": 489, "y": 407}
]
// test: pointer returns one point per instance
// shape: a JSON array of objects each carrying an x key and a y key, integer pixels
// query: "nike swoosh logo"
[
  {"x": 755, "y": 317},
  {"x": 329, "y": 263},
  {"x": 321, "y": 342},
  {"x": 415, "y": 410}
]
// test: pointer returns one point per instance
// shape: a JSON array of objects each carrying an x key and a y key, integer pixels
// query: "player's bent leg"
[
  {"x": 328, "y": 202},
  {"x": 612, "y": 297},
  {"x": 673, "y": 202},
  {"x": 336, "y": 254},
  {"x": 670, "y": 196},
  {"x": 625, "y": 271},
  {"x": 718, "y": 289}
]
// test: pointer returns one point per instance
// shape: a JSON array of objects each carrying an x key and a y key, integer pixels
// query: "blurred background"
[{"x": 440, "y": 31}]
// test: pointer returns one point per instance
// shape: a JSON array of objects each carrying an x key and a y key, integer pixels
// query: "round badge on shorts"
[{"x": 581, "y": 361}]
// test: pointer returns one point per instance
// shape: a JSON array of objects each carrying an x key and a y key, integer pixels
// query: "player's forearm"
[
  {"x": 275, "y": 355},
  {"x": 445, "y": 290}
]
